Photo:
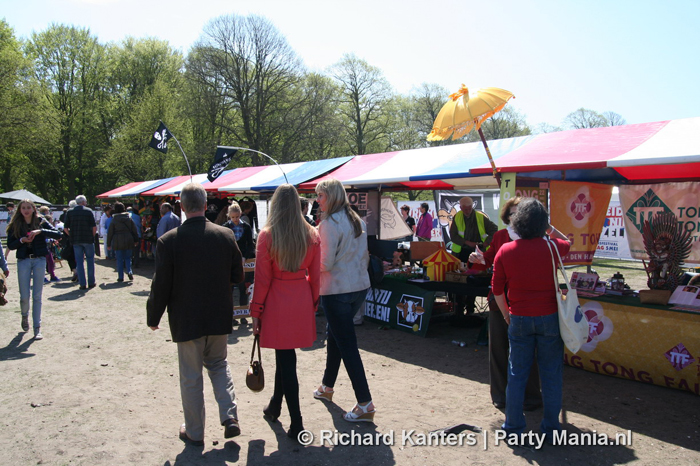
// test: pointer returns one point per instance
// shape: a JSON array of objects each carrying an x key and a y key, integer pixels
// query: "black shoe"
[
  {"x": 93, "y": 285},
  {"x": 83, "y": 288},
  {"x": 499, "y": 405},
  {"x": 120, "y": 279},
  {"x": 295, "y": 429},
  {"x": 272, "y": 411},
  {"x": 231, "y": 428},
  {"x": 131, "y": 276},
  {"x": 185, "y": 438}
]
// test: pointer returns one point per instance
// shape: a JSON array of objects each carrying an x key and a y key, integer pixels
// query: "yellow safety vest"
[{"x": 462, "y": 225}]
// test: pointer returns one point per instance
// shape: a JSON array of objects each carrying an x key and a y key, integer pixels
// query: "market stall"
[
  {"x": 657, "y": 167},
  {"x": 643, "y": 342}
]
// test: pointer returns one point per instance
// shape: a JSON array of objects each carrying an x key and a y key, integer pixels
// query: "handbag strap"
[
  {"x": 256, "y": 342},
  {"x": 551, "y": 245}
]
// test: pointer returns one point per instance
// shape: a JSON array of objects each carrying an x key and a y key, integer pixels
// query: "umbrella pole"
[{"x": 488, "y": 153}]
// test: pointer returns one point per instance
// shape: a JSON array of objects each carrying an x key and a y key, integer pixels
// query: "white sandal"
[
  {"x": 324, "y": 393},
  {"x": 361, "y": 413}
]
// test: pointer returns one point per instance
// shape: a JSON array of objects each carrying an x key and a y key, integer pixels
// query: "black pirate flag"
[
  {"x": 221, "y": 160},
  {"x": 160, "y": 138}
]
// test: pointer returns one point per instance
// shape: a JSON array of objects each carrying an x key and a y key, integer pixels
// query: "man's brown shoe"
[{"x": 231, "y": 428}]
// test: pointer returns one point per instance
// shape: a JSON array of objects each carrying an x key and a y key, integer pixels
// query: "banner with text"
[
  {"x": 650, "y": 345},
  {"x": 400, "y": 305},
  {"x": 613, "y": 239},
  {"x": 578, "y": 210},
  {"x": 640, "y": 202}
]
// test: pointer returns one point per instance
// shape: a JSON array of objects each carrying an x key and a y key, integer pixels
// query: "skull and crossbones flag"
[
  {"x": 160, "y": 138},
  {"x": 221, "y": 160}
]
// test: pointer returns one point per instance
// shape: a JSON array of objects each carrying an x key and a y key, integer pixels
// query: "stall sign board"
[
  {"x": 641, "y": 202},
  {"x": 400, "y": 305},
  {"x": 244, "y": 311},
  {"x": 655, "y": 346}
]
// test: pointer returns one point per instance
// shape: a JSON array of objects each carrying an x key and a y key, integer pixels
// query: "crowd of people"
[{"x": 301, "y": 267}]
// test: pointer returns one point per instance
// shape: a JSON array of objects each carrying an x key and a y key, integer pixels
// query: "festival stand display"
[
  {"x": 647, "y": 343},
  {"x": 438, "y": 263}
]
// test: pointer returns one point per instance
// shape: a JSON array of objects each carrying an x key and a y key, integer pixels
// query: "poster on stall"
[
  {"x": 613, "y": 239},
  {"x": 640, "y": 202},
  {"x": 578, "y": 210},
  {"x": 400, "y": 305}
]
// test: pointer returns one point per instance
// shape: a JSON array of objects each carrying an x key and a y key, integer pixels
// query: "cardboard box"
[
  {"x": 422, "y": 249},
  {"x": 456, "y": 277}
]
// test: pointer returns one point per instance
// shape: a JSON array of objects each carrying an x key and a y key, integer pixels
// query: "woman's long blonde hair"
[
  {"x": 18, "y": 226},
  {"x": 337, "y": 201},
  {"x": 290, "y": 233}
]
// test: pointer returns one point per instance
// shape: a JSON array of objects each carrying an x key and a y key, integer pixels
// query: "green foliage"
[{"x": 76, "y": 115}]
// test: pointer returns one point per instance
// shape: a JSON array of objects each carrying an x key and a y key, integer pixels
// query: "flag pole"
[
  {"x": 261, "y": 153},
  {"x": 183, "y": 153}
]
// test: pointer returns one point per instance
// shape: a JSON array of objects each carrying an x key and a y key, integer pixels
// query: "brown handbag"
[{"x": 255, "y": 378}]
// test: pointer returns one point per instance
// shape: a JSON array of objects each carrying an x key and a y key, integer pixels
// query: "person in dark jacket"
[
  {"x": 241, "y": 230},
  {"x": 196, "y": 264},
  {"x": 121, "y": 237},
  {"x": 24, "y": 234}
]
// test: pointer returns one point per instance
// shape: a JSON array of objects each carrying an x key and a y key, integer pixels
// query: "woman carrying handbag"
[
  {"x": 285, "y": 296},
  {"x": 524, "y": 267}
]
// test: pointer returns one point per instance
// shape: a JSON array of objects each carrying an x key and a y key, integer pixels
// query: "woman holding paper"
[{"x": 524, "y": 268}]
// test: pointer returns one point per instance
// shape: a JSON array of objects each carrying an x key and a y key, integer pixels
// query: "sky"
[{"x": 637, "y": 58}]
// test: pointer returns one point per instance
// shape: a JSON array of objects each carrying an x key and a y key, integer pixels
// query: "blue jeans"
[
  {"x": 342, "y": 342},
  {"x": 123, "y": 262},
  {"x": 86, "y": 251},
  {"x": 28, "y": 269},
  {"x": 532, "y": 337}
]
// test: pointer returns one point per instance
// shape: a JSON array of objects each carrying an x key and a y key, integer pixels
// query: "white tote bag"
[{"x": 573, "y": 325}]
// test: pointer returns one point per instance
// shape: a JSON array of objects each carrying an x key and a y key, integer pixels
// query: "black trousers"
[
  {"x": 498, "y": 361},
  {"x": 287, "y": 383}
]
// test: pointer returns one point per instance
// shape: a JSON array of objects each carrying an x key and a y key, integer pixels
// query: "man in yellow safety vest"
[{"x": 469, "y": 229}]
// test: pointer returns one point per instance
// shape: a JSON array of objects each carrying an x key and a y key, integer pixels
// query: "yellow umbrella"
[{"x": 467, "y": 110}]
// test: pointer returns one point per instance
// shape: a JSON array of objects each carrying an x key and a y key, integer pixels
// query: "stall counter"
[{"x": 647, "y": 343}]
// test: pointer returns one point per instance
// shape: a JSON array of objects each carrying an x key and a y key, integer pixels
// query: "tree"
[
  {"x": 547, "y": 128},
  {"x": 145, "y": 79},
  {"x": 18, "y": 105},
  {"x": 508, "y": 123},
  {"x": 584, "y": 118},
  {"x": 613, "y": 119},
  {"x": 428, "y": 100},
  {"x": 364, "y": 95},
  {"x": 71, "y": 66},
  {"x": 251, "y": 78}
]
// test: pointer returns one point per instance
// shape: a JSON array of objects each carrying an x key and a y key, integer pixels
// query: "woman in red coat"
[{"x": 285, "y": 296}]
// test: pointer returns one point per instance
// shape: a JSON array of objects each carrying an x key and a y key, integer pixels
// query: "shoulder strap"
[{"x": 553, "y": 245}]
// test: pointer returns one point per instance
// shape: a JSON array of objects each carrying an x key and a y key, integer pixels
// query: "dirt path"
[{"x": 102, "y": 389}]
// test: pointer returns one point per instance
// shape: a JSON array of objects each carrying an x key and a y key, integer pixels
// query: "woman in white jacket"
[{"x": 344, "y": 284}]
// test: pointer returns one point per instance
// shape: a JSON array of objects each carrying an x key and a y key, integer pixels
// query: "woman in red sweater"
[
  {"x": 524, "y": 267},
  {"x": 498, "y": 329}
]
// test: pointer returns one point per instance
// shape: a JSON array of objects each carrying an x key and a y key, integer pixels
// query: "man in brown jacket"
[{"x": 196, "y": 265}]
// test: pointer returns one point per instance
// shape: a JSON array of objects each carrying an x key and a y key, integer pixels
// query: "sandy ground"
[{"x": 102, "y": 389}]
